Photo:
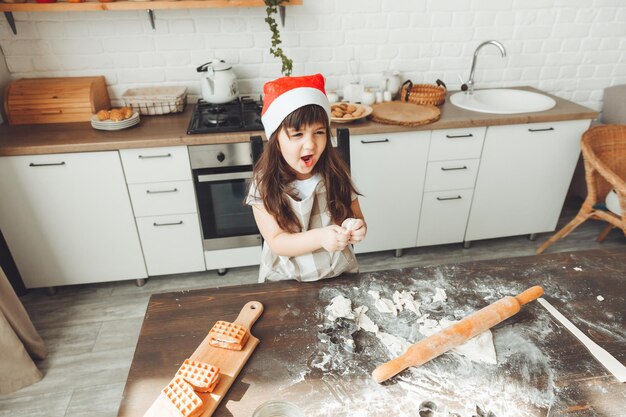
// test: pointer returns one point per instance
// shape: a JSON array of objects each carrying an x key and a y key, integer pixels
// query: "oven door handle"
[{"x": 225, "y": 177}]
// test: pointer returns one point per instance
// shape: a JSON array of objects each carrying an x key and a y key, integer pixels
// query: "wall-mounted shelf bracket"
[
  {"x": 151, "y": 17},
  {"x": 11, "y": 21},
  {"x": 281, "y": 12}
]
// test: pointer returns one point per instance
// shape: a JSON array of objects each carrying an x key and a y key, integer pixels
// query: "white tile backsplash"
[{"x": 571, "y": 48}]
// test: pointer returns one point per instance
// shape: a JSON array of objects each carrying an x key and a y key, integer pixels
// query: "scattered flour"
[
  {"x": 375, "y": 294},
  {"x": 385, "y": 305},
  {"x": 339, "y": 306},
  {"x": 478, "y": 349},
  {"x": 394, "y": 344},
  {"x": 440, "y": 296},
  {"x": 351, "y": 341},
  {"x": 363, "y": 321},
  {"x": 405, "y": 300}
]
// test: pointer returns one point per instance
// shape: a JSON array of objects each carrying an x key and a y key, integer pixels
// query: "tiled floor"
[{"x": 91, "y": 330}]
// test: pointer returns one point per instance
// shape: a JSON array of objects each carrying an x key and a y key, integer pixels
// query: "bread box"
[{"x": 55, "y": 100}]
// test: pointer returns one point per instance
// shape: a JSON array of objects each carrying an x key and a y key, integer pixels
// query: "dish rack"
[{"x": 152, "y": 101}]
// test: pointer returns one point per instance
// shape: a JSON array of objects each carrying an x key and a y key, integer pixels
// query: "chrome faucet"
[{"x": 469, "y": 86}]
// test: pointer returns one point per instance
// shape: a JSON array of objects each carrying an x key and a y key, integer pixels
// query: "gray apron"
[{"x": 320, "y": 264}]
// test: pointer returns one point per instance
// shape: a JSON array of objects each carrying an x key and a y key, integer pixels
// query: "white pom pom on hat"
[{"x": 286, "y": 94}]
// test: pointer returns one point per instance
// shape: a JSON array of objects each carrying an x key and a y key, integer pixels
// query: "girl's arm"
[{"x": 332, "y": 238}]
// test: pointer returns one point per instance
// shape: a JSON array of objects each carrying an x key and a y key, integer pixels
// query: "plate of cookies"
[
  {"x": 348, "y": 112},
  {"x": 115, "y": 119}
]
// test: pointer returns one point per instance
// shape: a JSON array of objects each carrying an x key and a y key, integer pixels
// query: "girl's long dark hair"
[{"x": 273, "y": 176}]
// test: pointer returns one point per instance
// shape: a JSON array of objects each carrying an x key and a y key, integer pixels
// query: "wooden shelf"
[{"x": 132, "y": 5}]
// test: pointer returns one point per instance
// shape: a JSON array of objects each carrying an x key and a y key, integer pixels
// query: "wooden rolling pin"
[{"x": 450, "y": 337}]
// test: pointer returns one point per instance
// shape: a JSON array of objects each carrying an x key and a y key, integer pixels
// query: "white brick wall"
[{"x": 571, "y": 48}]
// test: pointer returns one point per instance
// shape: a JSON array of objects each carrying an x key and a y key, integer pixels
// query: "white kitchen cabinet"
[
  {"x": 444, "y": 217},
  {"x": 524, "y": 175},
  {"x": 389, "y": 170},
  {"x": 453, "y": 162},
  {"x": 171, "y": 244},
  {"x": 67, "y": 219},
  {"x": 164, "y": 203}
]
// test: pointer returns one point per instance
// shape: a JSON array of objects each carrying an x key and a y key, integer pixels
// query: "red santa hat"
[{"x": 286, "y": 94}]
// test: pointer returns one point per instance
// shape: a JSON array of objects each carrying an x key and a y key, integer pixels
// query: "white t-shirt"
[{"x": 306, "y": 187}]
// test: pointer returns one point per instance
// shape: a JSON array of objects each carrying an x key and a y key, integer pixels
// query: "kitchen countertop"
[
  {"x": 170, "y": 130},
  {"x": 303, "y": 357}
]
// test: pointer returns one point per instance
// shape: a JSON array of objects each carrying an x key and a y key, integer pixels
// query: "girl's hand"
[
  {"x": 335, "y": 238},
  {"x": 357, "y": 229}
]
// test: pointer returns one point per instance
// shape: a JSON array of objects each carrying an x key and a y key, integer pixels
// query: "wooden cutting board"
[
  {"x": 405, "y": 114},
  {"x": 230, "y": 363}
]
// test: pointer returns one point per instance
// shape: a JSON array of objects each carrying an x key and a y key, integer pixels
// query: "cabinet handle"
[
  {"x": 458, "y": 197},
  {"x": 168, "y": 155},
  {"x": 469, "y": 135},
  {"x": 168, "y": 224},
  {"x": 541, "y": 130},
  {"x": 161, "y": 191},
  {"x": 453, "y": 168},
  {"x": 374, "y": 141},
  {"x": 32, "y": 164}
]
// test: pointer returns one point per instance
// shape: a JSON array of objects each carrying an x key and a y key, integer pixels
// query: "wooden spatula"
[{"x": 444, "y": 340}]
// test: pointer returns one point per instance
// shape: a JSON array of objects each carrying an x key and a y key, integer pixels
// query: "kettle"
[{"x": 218, "y": 82}]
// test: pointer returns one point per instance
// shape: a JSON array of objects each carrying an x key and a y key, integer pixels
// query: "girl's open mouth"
[{"x": 308, "y": 160}]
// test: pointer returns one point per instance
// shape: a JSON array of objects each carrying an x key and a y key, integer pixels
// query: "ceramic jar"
[
  {"x": 391, "y": 82},
  {"x": 368, "y": 97},
  {"x": 332, "y": 96},
  {"x": 352, "y": 92}
]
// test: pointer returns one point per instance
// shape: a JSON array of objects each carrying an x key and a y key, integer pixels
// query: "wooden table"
[{"x": 304, "y": 358}]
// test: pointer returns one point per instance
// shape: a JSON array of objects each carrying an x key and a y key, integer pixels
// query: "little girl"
[{"x": 302, "y": 197}]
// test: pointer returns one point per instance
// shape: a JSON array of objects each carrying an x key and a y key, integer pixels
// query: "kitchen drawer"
[
  {"x": 452, "y": 144},
  {"x": 444, "y": 217},
  {"x": 451, "y": 175},
  {"x": 161, "y": 198},
  {"x": 171, "y": 244},
  {"x": 156, "y": 164},
  {"x": 231, "y": 258}
]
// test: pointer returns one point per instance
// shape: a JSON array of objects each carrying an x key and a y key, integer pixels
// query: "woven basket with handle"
[{"x": 428, "y": 94}]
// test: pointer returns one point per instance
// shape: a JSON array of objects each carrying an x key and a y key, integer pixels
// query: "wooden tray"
[
  {"x": 405, "y": 114},
  {"x": 230, "y": 363}
]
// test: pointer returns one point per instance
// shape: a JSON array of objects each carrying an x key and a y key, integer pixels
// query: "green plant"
[{"x": 276, "y": 50}]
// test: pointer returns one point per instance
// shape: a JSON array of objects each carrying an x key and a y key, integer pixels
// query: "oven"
[{"x": 221, "y": 175}]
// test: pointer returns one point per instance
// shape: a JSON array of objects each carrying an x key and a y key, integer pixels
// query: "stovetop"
[{"x": 241, "y": 115}]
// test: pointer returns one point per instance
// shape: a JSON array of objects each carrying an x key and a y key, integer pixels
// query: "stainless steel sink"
[{"x": 502, "y": 101}]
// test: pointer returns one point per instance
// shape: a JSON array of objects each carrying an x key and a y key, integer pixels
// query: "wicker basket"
[
  {"x": 156, "y": 100},
  {"x": 429, "y": 94}
]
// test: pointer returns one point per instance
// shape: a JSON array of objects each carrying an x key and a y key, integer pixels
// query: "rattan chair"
[{"x": 604, "y": 155}]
